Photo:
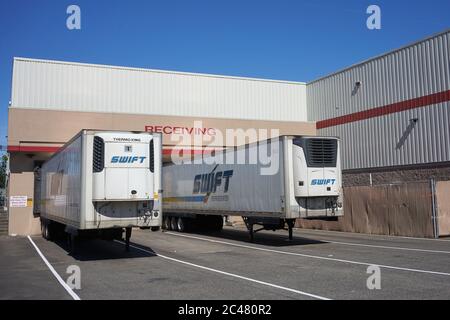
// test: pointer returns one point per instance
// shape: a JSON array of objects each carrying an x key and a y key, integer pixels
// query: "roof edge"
[
  {"x": 105, "y": 66},
  {"x": 380, "y": 56}
]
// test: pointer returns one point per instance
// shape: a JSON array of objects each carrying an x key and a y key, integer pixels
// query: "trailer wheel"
[
  {"x": 218, "y": 223},
  {"x": 166, "y": 223},
  {"x": 181, "y": 224},
  {"x": 45, "y": 229},
  {"x": 173, "y": 224}
]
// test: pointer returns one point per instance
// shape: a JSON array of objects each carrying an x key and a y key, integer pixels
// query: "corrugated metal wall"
[
  {"x": 55, "y": 85},
  {"x": 389, "y": 140}
]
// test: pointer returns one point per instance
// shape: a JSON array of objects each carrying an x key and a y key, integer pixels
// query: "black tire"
[
  {"x": 166, "y": 223},
  {"x": 46, "y": 229},
  {"x": 215, "y": 223},
  {"x": 181, "y": 224},
  {"x": 173, "y": 223},
  {"x": 42, "y": 229},
  {"x": 155, "y": 229}
]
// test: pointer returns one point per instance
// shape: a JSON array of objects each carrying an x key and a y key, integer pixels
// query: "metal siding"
[
  {"x": 39, "y": 84},
  {"x": 411, "y": 72}
]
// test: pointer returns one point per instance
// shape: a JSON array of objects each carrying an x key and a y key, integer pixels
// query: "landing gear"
[
  {"x": 250, "y": 223},
  {"x": 268, "y": 224},
  {"x": 251, "y": 232},
  {"x": 127, "y": 238},
  {"x": 291, "y": 224}
]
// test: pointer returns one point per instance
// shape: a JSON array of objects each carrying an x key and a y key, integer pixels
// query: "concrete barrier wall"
[
  {"x": 22, "y": 221},
  {"x": 443, "y": 207},
  {"x": 399, "y": 210}
]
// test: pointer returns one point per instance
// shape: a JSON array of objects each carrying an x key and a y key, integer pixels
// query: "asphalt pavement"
[{"x": 225, "y": 265}]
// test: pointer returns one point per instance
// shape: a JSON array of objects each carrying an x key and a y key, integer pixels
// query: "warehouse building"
[
  {"x": 52, "y": 101},
  {"x": 392, "y": 113}
]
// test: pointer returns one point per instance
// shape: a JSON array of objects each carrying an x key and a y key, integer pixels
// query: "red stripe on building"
[
  {"x": 55, "y": 149},
  {"x": 32, "y": 149},
  {"x": 388, "y": 109}
]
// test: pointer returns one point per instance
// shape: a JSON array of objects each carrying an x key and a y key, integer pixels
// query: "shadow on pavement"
[
  {"x": 93, "y": 249},
  {"x": 261, "y": 238}
]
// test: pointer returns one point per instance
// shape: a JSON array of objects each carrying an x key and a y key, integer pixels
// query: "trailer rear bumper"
[
  {"x": 124, "y": 223},
  {"x": 320, "y": 207}
]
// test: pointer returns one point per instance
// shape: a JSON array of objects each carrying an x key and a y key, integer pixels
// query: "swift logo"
[
  {"x": 208, "y": 183},
  {"x": 323, "y": 182},
  {"x": 118, "y": 159}
]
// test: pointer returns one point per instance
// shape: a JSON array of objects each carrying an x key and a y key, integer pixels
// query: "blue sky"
[{"x": 289, "y": 40}]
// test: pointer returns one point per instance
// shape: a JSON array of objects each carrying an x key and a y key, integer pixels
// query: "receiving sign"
[{"x": 18, "y": 201}]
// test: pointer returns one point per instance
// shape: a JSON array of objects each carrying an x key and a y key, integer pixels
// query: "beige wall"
[
  {"x": 43, "y": 128},
  {"x": 22, "y": 220},
  {"x": 29, "y": 127}
]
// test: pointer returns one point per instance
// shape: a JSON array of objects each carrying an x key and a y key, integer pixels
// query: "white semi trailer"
[
  {"x": 101, "y": 183},
  {"x": 303, "y": 181}
]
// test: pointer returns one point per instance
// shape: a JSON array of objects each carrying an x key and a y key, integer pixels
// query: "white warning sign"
[{"x": 18, "y": 201}]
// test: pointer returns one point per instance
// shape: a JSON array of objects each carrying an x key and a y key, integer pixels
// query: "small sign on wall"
[{"x": 18, "y": 201}]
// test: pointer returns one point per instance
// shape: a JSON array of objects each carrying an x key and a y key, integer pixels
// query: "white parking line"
[
  {"x": 370, "y": 236},
  {"x": 57, "y": 276},
  {"x": 379, "y": 246},
  {"x": 311, "y": 256},
  {"x": 232, "y": 274},
  {"x": 383, "y": 247}
]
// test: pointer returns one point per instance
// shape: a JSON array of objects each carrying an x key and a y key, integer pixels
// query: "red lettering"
[
  {"x": 177, "y": 130},
  {"x": 181, "y": 130},
  {"x": 167, "y": 130}
]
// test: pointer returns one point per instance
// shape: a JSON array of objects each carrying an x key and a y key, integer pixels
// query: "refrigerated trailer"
[
  {"x": 100, "y": 184},
  {"x": 301, "y": 180}
]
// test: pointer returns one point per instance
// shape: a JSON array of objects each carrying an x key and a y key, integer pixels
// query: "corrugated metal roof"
[
  {"x": 154, "y": 70},
  {"x": 56, "y": 85}
]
